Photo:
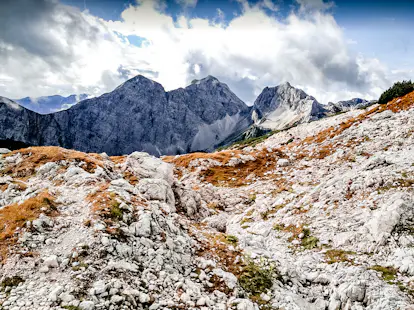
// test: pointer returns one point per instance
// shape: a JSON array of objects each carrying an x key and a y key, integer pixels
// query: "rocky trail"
[{"x": 319, "y": 216}]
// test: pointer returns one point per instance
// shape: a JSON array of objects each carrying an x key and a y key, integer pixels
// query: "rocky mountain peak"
[
  {"x": 139, "y": 83},
  {"x": 284, "y": 106}
]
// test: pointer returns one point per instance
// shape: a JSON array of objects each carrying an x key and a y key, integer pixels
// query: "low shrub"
[
  {"x": 397, "y": 90},
  {"x": 256, "y": 278}
]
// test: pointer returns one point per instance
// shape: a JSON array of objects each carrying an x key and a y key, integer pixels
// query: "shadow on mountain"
[{"x": 13, "y": 145}]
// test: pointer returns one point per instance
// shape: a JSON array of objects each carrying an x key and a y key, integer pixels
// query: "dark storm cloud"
[{"x": 32, "y": 26}]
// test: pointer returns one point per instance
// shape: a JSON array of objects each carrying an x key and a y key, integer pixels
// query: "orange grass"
[
  {"x": 34, "y": 157},
  {"x": 16, "y": 215}
]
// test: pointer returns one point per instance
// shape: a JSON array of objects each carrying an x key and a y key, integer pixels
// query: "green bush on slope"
[{"x": 397, "y": 90}]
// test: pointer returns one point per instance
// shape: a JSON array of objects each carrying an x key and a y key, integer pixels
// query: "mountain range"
[
  {"x": 50, "y": 104},
  {"x": 141, "y": 115}
]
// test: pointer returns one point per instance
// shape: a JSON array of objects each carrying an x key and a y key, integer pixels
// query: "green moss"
[
  {"x": 388, "y": 274},
  {"x": 71, "y": 307},
  {"x": 310, "y": 242},
  {"x": 335, "y": 256},
  {"x": 278, "y": 227},
  {"x": 116, "y": 212},
  {"x": 11, "y": 281},
  {"x": 232, "y": 239}
]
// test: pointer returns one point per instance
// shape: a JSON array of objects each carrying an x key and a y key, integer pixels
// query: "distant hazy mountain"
[
  {"x": 50, "y": 104},
  {"x": 347, "y": 105}
]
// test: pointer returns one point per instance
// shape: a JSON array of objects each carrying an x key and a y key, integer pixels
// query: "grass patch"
[
  {"x": 273, "y": 210},
  {"x": 252, "y": 198},
  {"x": 278, "y": 227},
  {"x": 246, "y": 220},
  {"x": 231, "y": 176},
  {"x": 397, "y": 184},
  {"x": 405, "y": 289},
  {"x": 16, "y": 215},
  {"x": 232, "y": 239},
  {"x": 310, "y": 242},
  {"x": 78, "y": 267},
  {"x": 335, "y": 256},
  {"x": 116, "y": 212},
  {"x": 247, "y": 142}
]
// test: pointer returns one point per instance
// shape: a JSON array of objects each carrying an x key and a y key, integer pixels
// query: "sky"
[{"x": 334, "y": 50}]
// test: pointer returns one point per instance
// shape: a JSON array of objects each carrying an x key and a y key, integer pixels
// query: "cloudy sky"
[{"x": 334, "y": 50}]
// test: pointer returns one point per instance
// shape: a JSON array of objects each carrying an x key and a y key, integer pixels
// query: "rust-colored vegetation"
[
  {"x": 105, "y": 204},
  {"x": 16, "y": 215},
  {"x": 184, "y": 160},
  {"x": 34, "y": 157},
  {"x": 118, "y": 159},
  {"x": 236, "y": 176}
]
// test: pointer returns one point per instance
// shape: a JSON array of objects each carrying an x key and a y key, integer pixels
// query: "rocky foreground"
[{"x": 320, "y": 216}]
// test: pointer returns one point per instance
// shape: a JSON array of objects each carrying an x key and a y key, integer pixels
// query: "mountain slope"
[
  {"x": 20, "y": 124},
  {"x": 137, "y": 115},
  {"x": 50, "y": 104}
]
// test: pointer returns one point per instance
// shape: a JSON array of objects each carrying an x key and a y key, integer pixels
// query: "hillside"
[{"x": 319, "y": 216}]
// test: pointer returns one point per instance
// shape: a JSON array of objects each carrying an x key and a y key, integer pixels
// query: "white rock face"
[{"x": 285, "y": 106}]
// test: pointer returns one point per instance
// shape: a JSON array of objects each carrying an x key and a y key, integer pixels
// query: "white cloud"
[{"x": 253, "y": 50}]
